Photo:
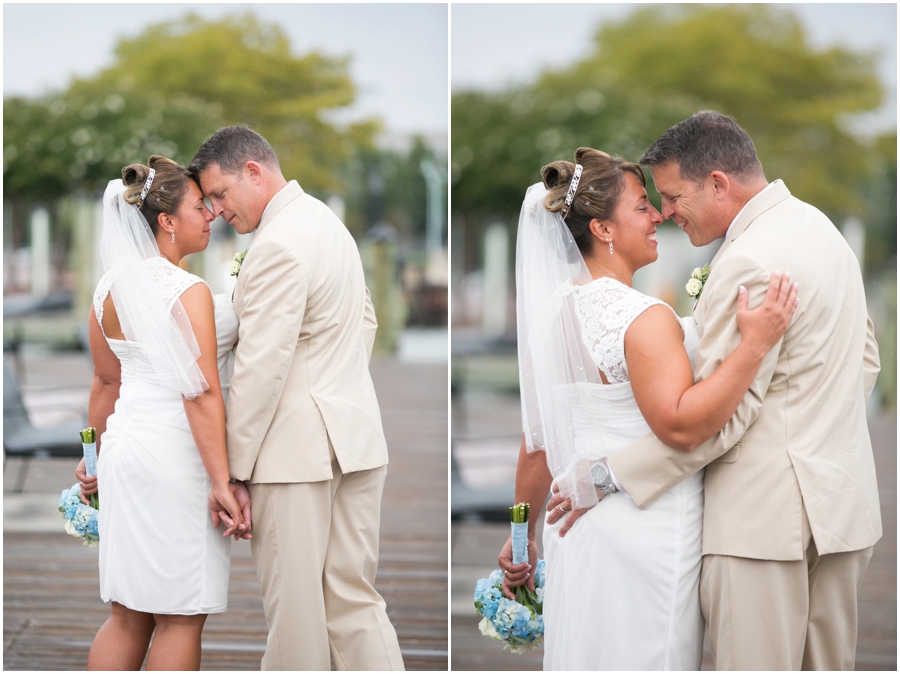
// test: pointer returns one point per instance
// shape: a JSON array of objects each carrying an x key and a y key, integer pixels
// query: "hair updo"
[
  {"x": 166, "y": 193},
  {"x": 602, "y": 182}
]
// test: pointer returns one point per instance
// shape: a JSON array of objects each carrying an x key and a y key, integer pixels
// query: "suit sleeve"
[
  {"x": 647, "y": 469},
  {"x": 871, "y": 361},
  {"x": 275, "y": 295},
  {"x": 370, "y": 324}
]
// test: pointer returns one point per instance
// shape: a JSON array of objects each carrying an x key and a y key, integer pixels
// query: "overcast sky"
[
  {"x": 495, "y": 45},
  {"x": 399, "y": 51}
]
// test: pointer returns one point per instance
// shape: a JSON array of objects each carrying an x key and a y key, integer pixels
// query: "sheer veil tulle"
[
  {"x": 166, "y": 337},
  {"x": 554, "y": 365}
]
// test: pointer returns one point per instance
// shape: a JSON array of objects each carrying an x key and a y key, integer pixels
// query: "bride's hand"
[
  {"x": 764, "y": 326},
  {"x": 223, "y": 507},
  {"x": 88, "y": 484},
  {"x": 515, "y": 575}
]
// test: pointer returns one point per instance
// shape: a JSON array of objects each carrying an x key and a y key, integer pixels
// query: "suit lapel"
[
  {"x": 290, "y": 192},
  {"x": 761, "y": 203}
]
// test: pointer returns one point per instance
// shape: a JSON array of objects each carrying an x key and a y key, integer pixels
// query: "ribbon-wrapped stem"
[{"x": 89, "y": 446}]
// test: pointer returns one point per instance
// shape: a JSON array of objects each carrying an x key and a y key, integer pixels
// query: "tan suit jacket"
[
  {"x": 301, "y": 373},
  {"x": 799, "y": 437}
]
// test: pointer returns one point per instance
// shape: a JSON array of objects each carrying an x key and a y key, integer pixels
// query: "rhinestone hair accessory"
[
  {"x": 576, "y": 178},
  {"x": 146, "y": 189}
]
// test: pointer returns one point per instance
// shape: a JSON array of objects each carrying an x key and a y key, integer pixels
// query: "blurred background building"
[
  {"x": 814, "y": 85},
  {"x": 353, "y": 98}
]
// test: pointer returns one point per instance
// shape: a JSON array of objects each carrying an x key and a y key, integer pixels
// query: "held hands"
[
  {"x": 224, "y": 507},
  {"x": 764, "y": 326},
  {"x": 242, "y": 495},
  {"x": 88, "y": 484},
  {"x": 515, "y": 575}
]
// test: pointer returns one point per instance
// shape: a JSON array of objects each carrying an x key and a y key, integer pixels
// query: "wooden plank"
[{"x": 51, "y": 604}]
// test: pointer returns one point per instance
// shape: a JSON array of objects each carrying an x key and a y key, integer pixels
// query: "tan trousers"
[
  {"x": 771, "y": 615},
  {"x": 315, "y": 546}
]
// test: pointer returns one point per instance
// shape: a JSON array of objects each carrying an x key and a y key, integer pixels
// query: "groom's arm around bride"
[{"x": 303, "y": 423}]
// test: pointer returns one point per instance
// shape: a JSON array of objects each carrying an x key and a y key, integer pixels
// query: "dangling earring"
[
  {"x": 173, "y": 241},
  {"x": 610, "y": 244}
]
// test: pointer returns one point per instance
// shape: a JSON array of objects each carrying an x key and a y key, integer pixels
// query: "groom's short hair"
[
  {"x": 705, "y": 142},
  {"x": 231, "y": 147}
]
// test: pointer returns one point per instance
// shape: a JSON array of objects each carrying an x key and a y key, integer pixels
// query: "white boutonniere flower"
[
  {"x": 237, "y": 262},
  {"x": 698, "y": 279}
]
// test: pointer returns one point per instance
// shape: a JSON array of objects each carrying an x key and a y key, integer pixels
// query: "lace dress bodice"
[
  {"x": 172, "y": 281},
  {"x": 606, "y": 308}
]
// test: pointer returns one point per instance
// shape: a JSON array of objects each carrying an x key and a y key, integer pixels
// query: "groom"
[
  {"x": 303, "y": 425},
  {"x": 792, "y": 506}
]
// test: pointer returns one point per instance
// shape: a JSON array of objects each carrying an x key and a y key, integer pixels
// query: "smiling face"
[
  {"x": 694, "y": 209},
  {"x": 234, "y": 196},
  {"x": 191, "y": 221},
  {"x": 633, "y": 226}
]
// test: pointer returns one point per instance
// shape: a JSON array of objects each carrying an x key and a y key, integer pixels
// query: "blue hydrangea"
[
  {"x": 81, "y": 521},
  {"x": 520, "y": 626}
]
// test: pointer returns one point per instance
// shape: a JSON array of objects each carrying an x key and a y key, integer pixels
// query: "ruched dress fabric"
[
  {"x": 622, "y": 587},
  {"x": 159, "y": 552}
]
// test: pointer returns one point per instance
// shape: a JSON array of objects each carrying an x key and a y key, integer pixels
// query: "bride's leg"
[
  {"x": 121, "y": 643},
  {"x": 176, "y": 644}
]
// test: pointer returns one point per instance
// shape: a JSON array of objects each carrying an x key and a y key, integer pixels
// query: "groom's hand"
[
  {"x": 242, "y": 495},
  {"x": 558, "y": 506}
]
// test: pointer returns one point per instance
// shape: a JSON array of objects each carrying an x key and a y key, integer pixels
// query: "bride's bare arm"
[
  {"x": 684, "y": 415},
  {"x": 206, "y": 412},
  {"x": 104, "y": 393},
  {"x": 533, "y": 481}
]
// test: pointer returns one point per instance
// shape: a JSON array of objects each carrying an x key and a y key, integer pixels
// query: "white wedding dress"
[
  {"x": 159, "y": 552},
  {"x": 622, "y": 587}
]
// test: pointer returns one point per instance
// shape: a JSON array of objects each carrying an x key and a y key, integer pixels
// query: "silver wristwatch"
[{"x": 601, "y": 478}]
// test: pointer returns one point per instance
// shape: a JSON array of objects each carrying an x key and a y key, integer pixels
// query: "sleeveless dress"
[
  {"x": 159, "y": 552},
  {"x": 622, "y": 588}
]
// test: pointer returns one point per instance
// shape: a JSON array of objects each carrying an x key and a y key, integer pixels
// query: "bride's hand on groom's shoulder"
[{"x": 763, "y": 326}]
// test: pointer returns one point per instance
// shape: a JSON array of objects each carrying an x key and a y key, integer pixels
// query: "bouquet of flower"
[
  {"x": 81, "y": 519},
  {"x": 518, "y": 623}
]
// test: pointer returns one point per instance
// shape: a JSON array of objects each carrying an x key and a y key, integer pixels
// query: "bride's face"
[
  {"x": 191, "y": 221},
  {"x": 634, "y": 225}
]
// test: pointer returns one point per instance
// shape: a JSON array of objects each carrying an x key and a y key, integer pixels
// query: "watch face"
[{"x": 599, "y": 474}]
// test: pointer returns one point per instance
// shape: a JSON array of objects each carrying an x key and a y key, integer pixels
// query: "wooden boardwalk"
[
  {"x": 475, "y": 546},
  {"x": 51, "y": 604}
]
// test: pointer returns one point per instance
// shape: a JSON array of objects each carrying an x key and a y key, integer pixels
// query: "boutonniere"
[
  {"x": 697, "y": 281},
  {"x": 237, "y": 262}
]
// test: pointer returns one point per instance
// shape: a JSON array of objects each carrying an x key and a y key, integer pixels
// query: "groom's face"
[
  {"x": 690, "y": 206},
  {"x": 232, "y": 196}
]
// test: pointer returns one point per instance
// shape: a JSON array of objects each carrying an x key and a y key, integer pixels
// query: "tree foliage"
[
  {"x": 657, "y": 67},
  {"x": 170, "y": 88}
]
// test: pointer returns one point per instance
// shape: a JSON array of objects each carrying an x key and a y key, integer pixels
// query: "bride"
[
  {"x": 158, "y": 340},
  {"x": 601, "y": 365}
]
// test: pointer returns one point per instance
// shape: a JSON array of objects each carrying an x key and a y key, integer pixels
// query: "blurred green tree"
[
  {"x": 387, "y": 184},
  {"x": 657, "y": 67},
  {"x": 171, "y": 87}
]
